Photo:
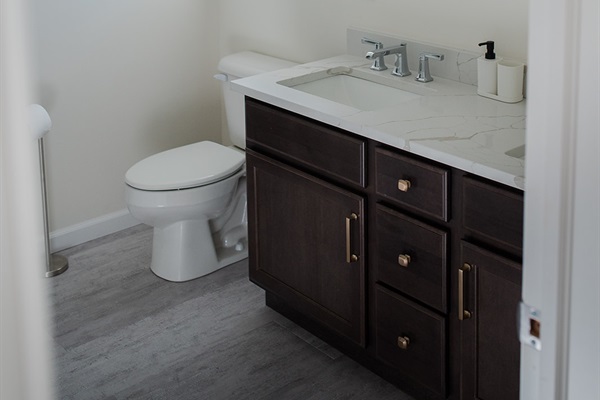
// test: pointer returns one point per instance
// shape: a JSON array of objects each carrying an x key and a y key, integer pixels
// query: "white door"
[{"x": 562, "y": 200}]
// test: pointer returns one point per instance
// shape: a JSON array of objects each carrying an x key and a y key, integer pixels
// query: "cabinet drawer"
[
  {"x": 411, "y": 257},
  {"x": 315, "y": 146},
  {"x": 411, "y": 339},
  {"x": 412, "y": 183},
  {"x": 492, "y": 213}
]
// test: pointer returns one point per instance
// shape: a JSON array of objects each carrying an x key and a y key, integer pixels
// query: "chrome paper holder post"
[{"x": 55, "y": 263}]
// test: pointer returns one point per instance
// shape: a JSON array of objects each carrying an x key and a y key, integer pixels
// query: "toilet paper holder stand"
[
  {"x": 40, "y": 124},
  {"x": 55, "y": 263}
]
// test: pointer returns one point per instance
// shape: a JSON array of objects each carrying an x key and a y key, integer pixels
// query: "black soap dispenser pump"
[
  {"x": 487, "y": 70},
  {"x": 489, "y": 54}
]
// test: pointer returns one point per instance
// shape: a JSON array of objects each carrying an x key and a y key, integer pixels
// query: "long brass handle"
[
  {"x": 404, "y": 260},
  {"x": 403, "y": 342},
  {"x": 403, "y": 185},
  {"x": 462, "y": 313},
  {"x": 350, "y": 258}
]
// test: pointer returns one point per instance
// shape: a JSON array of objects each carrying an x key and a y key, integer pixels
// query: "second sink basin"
[
  {"x": 351, "y": 88},
  {"x": 517, "y": 152}
]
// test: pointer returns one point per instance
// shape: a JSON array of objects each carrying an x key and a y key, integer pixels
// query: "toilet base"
[{"x": 185, "y": 250}]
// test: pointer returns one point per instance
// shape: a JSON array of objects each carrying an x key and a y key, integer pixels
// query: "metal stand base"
[{"x": 58, "y": 265}]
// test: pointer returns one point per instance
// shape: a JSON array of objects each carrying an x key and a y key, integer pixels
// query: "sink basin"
[
  {"x": 352, "y": 88},
  {"x": 517, "y": 152}
]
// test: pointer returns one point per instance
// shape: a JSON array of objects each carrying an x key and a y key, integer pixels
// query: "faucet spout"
[
  {"x": 386, "y": 52},
  {"x": 373, "y": 54}
]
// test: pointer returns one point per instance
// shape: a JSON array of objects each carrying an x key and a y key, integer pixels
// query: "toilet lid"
[{"x": 185, "y": 167}]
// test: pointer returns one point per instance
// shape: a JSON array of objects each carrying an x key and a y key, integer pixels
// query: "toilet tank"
[{"x": 242, "y": 65}]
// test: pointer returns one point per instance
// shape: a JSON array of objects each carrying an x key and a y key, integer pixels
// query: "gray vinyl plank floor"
[{"x": 120, "y": 332}]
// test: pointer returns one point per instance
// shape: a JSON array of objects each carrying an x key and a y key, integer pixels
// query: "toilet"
[{"x": 194, "y": 196}]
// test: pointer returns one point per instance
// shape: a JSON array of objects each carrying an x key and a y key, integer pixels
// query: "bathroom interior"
[{"x": 124, "y": 80}]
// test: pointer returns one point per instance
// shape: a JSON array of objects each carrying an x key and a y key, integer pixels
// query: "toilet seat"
[{"x": 185, "y": 167}]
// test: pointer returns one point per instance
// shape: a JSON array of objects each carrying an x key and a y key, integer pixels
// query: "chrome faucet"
[
  {"x": 424, "y": 75},
  {"x": 401, "y": 64}
]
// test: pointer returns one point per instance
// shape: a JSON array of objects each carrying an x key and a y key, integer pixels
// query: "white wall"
[
  {"x": 306, "y": 30},
  {"x": 121, "y": 79}
]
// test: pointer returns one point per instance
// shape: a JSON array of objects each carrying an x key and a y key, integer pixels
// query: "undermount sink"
[
  {"x": 517, "y": 152},
  {"x": 353, "y": 88}
]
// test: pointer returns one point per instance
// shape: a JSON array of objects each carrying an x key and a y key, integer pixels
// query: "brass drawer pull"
[
  {"x": 403, "y": 185},
  {"x": 403, "y": 342},
  {"x": 462, "y": 313},
  {"x": 350, "y": 258},
  {"x": 404, "y": 260}
]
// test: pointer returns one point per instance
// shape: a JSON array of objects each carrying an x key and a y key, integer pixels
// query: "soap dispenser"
[{"x": 487, "y": 70}]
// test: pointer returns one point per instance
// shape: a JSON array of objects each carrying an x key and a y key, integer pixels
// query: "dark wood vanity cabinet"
[{"x": 378, "y": 252}]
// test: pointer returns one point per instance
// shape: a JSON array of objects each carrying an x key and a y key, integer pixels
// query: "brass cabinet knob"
[
  {"x": 403, "y": 342},
  {"x": 404, "y": 260},
  {"x": 403, "y": 185}
]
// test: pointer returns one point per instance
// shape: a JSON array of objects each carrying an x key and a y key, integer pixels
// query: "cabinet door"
[
  {"x": 306, "y": 244},
  {"x": 491, "y": 290}
]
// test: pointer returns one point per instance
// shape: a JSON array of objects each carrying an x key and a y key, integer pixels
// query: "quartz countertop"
[{"x": 448, "y": 123}]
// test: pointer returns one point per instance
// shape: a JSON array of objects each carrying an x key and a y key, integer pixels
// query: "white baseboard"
[{"x": 91, "y": 229}]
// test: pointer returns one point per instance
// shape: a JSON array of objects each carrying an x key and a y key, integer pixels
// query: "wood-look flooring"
[{"x": 120, "y": 332}]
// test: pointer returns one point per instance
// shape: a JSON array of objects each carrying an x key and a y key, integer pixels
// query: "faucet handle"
[
  {"x": 439, "y": 57},
  {"x": 378, "y": 45},
  {"x": 424, "y": 75}
]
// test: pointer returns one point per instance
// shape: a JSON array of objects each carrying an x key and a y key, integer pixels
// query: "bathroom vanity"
[{"x": 398, "y": 247}]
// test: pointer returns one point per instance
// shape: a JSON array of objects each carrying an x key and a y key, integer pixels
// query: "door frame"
[{"x": 562, "y": 199}]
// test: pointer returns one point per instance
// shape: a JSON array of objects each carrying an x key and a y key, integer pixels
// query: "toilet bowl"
[
  {"x": 197, "y": 226},
  {"x": 194, "y": 196}
]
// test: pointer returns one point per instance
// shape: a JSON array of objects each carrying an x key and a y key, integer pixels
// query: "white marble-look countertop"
[{"x": 448, "y": 123}]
